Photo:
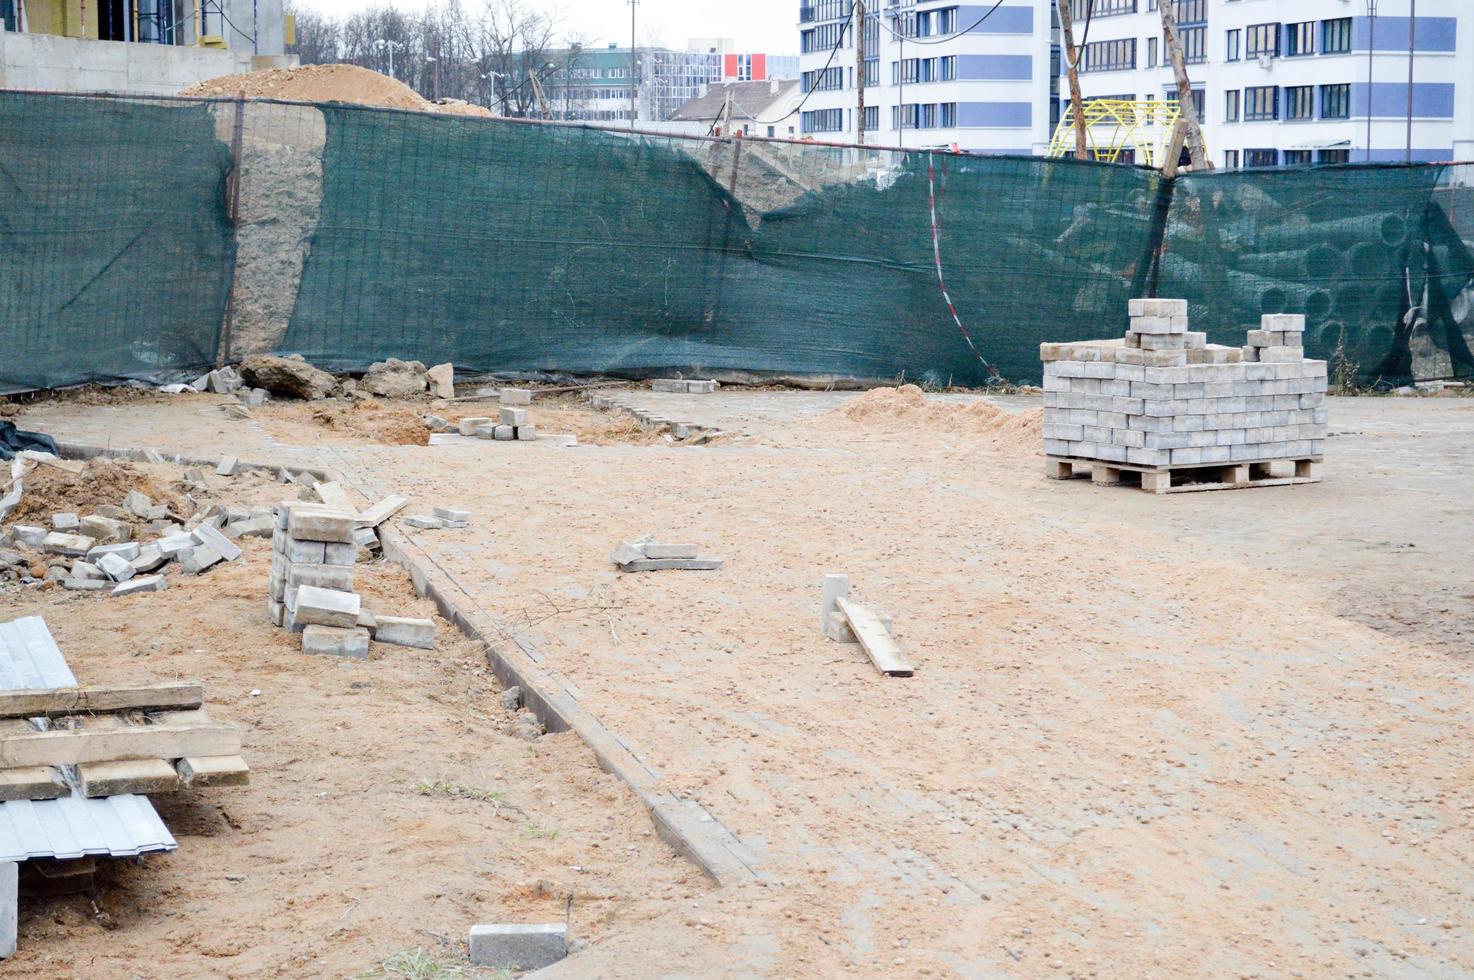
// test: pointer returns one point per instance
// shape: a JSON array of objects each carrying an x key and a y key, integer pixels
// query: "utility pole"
[
  {"x": 1197, "y": 152},
  {"x": 1072, "y": 59},
  {"x": 1371, "y": 48},
  {"x": 1411, "y": 23},
  {"x": 634, "y": 65},
  {"x": 860, "y": 68}
]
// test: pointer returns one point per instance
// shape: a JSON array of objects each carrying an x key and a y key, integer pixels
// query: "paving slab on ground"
[{"x": 1219, "y": 733}]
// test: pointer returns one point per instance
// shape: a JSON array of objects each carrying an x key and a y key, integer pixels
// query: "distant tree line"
[{"x": 482, "y": 53}]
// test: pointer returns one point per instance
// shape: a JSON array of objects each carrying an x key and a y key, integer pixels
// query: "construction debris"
[
  {"x": 1162, "y": 403},
  {"x": 846, "y": 621},
  {"x": 646, "y": 555}
]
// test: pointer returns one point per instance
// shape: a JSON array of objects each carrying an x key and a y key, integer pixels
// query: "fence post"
[{"x": 223, "y": 349}]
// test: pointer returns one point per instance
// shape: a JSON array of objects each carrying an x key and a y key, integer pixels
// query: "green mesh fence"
[
  {"x": 357, "y": 234},
  {"x": 115, "y": 251}
]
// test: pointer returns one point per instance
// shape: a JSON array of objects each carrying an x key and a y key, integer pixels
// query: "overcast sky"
[{"x": 756, "y": 25}]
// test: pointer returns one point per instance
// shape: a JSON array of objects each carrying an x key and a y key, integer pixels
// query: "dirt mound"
[
  {"x": 49, "y": 490},
  {"x": 395, "y": 425},
  {"x": 908, "y": 405},
  {"x": 328, "y": 83}
]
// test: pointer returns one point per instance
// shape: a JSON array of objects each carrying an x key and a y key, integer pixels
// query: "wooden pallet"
[
  {"x": 1187, "y": 479},
  {"x": 113, "y": 740}
]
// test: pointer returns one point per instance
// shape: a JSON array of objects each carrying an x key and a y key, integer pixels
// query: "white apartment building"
[
  {"x": 1293, "y": 82},
  {"x": 938, "y": 74}
]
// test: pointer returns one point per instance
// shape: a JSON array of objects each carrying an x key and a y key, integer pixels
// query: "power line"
[
  {"x": 834, "y": 51},
  {"x": 943, "y": 40},
  {"x": 1080, "y": 48}
]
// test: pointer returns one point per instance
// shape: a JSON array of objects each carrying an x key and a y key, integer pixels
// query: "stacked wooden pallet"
[{"x": 110, "y": 740}]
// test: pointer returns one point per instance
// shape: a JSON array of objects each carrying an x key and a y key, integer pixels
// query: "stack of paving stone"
[
  {"x": 683, "y": 387},
  {"x": 1162, "y": 399},
  {"x": 312, "y": 587},
  {"x": 647, "y": 555}
]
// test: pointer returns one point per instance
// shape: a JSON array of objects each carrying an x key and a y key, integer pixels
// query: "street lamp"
[
  {"x": 385, "y": 45},
  {"x": 493, "y": 77},
  {"x": 431, "y": 62},
  {"x": 1371, "y": 47}
]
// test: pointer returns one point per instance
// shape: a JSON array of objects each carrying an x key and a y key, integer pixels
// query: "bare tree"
[
  {"x": 1072, "y": 60},
  {"x": 1196, "y": 149}
]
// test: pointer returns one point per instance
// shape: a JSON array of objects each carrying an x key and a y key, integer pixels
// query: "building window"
[
  {"x": 823, "y": 38},
  {"x": 1333, "y": 156},
  {"x": 1297, "y": 158},
  {"x": 1199, "y": 101},
  {"x": 872, "y": 117},
  {"x": 1335, "y": 36},
  {"x": 1335, "y": 101},
  {"x": 1231, "y": 101},
  {"x": 1080, "y": 9},
  {"x": 828, "y": 80},
  {"x": 1300, "y": 102},
  {"x": 823, "y": 121},
  {"x": 1300, "y": 39},
  {"x": 1261, "y": 158},
  {"x": 947, "y": 20},
  {"x": 1263, "y": 41},
  {"x": 1260, "y": 103},
  {"x": 1151, "y": 52},
  {"x": 1231, "y": 159},
  {"x": 772, "y": 131},
  {"x": 1115, "y": 55},
  {"x": 1234, "y": 42},
  {"x": 1192, "y": 12},
  {"x": 872, "y": 72},
  {"x": 948, "y": 68},
  {"x": 1194, "y": 44}
]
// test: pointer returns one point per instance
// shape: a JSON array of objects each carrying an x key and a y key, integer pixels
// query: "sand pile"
[
  {"x": 328, "y": 83},
  {"x": 49, "y": 490},
  {"x": 909, "y": 406}
]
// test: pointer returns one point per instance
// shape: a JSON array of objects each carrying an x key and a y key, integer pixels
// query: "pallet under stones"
[{"x": 1185, "y": 479}]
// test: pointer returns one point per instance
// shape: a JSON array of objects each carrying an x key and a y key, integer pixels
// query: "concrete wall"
[{"x": 65, "y": 64}]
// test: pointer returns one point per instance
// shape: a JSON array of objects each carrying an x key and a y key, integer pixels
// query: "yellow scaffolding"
[{"x": 1114, "y": 126}]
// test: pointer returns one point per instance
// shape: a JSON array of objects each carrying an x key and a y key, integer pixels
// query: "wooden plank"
[
  {"x": 57, "y": 701},
  {"x": 127, "y": 776},
  {"x": 871, "y": 633},
  {"x": 70, "y": 747},
  {"x": 220, "y": 770},
  {"x": 382, "y": 511},
  {"x": 335, "y": 496},
  {"x": 32, "y": 783}
]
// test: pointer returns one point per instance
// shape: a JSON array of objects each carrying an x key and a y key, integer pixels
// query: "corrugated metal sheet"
[
  {"x": 120, "y": 826},
  {"x": 117, "y": 826},
  {"x": 30, "y": 658}
]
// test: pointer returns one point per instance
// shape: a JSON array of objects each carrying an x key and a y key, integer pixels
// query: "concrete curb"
[{"x": 685, "y": 825}]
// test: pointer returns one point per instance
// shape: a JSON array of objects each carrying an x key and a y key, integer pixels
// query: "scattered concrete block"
[
  {"x": 518, "y": 947},
  {"x": 366, "y": 537},
  {"x": 424, "y": 522},
  {"x": 653, "y": 550},
  {"x": 504, "y": 433},
  {"x": 451, "y": 514},
  {"x": 332, "y": 641},
  {"x": 138, "y": 504},
  {"x": 706, "y": 387},
  {"x": 199, "y": 558},
  {"x": 87, "y": 584},
  {"x": 128, "y": 550},
  {"x": 67, "y": 545},
  {"x": 252, "y": 527},
  {"x": 227, "y": 466},
  {"x": 118, "y": 569},
  {"x": 487, "y": 431},
  {"x": 663, "y": 564},
  {"x": 105, "y": 530},
  {"x": 320, "y": 523},
  {"x": 213, "y": 770},
  {"x": 673, "y": 385},
  {"x": 442, "y": 380},
  {"x": 513, "y": 416},
  {"x": 30, "y": 535},
  {"x": 153, "y": 456},
  {"x": 10, "y": 907},
  {"x": 65, "y": 521},
  {"x": 514, "y": 396},
  {"x": 171, "y": 545},
  {"x": 527, "y": 433},
  {"x": 142, "y": 583},
  {"x": 85, "y": 569},
  {"x": 327, "y": 607},
  {"x": 405, "y": 632},
  {"x": 836, "y": 587},
  {"x": 468, "y": 426},
  {"x": 629, "y": 551},
  {"x": 149, "y": 559},
  {"x": 211, "y": 537}
]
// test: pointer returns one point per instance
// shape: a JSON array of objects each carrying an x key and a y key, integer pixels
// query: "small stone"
[{"x": 441, "y": 378}]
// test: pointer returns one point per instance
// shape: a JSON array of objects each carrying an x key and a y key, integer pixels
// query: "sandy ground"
[
  {"x": 390, "y": 806},
  {"x": 1207, "y": 734}
]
